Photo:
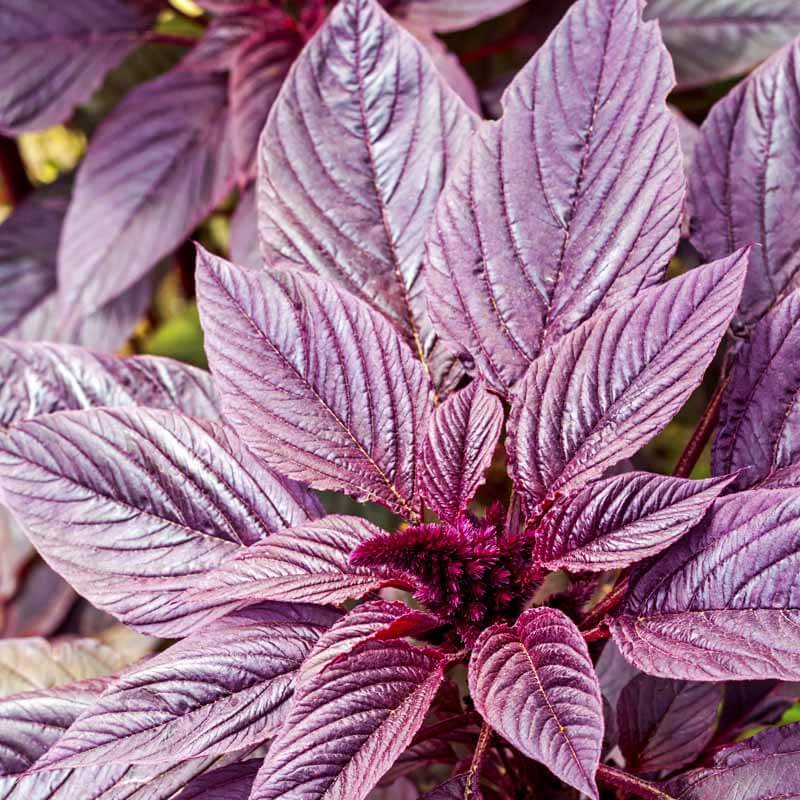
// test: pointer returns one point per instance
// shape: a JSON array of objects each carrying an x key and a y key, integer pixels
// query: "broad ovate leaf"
[
  {"x": 258, "y": 69},
  {"x": 349, "y": 723},
  {"x": 34, "y": 664},
  {"x": 55, "y": 55},
  {"x": 763, "y": 767},
  {"x": 759, "y": 429},
  {"x": 316, "y": 382},
  {"x": 615, "y": 522},
  {"x": 534, "y": 683},
  {"x": 666, "y": 724},
  {"x": 377, "y": 619},
  {"x": 132, "y": 506},
  {"x": 445, "y": 16},
  {"x": 309, "y": 562},
  {"x": 604, "y": 390},
  {"x": 34, "y": 721},
  {"x": 749, "y": 141},
  {"x": 714, "y": 39},
  {"x": 39, "y": 378},
  {"x": 222, "y": 689},
  {"x": 172, "y": 134},
  {"x": 569, "y": 204},
  {"x": 361, "y": 139},
  {"x": 462, "y": 435},
  {"x": 724, "y": 602},
  {"x": 243, "y": 232}
]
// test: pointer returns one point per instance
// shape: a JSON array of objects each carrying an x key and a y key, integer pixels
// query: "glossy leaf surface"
[
  {"x": 606, "y": 389},
  {"x": 361, "y": 139},
  {"x": 749, "y": 141},
  {"x": 723, "y": 603},
  {"x": 315, "y": 381},
  {"x": 569, "y": 204},
  {"x": 462, "y": 435},
  {"x": 350, "y": 723},
  {"x": 157, "y": 499},
  {"x": 759, "y": 429},
  {"x": 615, "y": 522},
  {"x": 534, "y": 683}
]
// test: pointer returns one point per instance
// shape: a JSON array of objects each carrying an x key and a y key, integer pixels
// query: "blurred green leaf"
[{"x": 181, "y": 338}]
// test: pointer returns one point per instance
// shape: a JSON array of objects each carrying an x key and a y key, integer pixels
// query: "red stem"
[
  {"x": 702, "y": 434},
  {"x": 608, "y": 604},
  {"x": 12, "y": 171},
  {"x": 170, "y": 38},
  {"x": 616, "y": 778},
  {"x": 598, "y": 634},
  {"x": 478, "y": 758}
]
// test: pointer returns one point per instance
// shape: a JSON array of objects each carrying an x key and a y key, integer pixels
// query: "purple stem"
[{"x": 630, "y": 784}]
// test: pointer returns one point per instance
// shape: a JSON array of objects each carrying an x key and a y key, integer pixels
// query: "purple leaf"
[
  {"x": 462, "y": 435},
  {"x": 109, "y": 781},
  {"x": 380, "y": 619},
  {"x": 714, "y": 39},
  {"x": 361, "y": 139},
  {"x": 244, "y": 235},
  {"x": 615, "y": 522},
  {"x": 232, "y": 782},
  {"x": 33, "y": 664},
  {"x": 614, "y": 673},
  {"x": 308, "y": 563},
  {"x": 222, "y": 689},
  {"x": 689, "y": 134},
  {"x": 116, "y": 228},
  {"x": 33, "y": 722},
  {"x": 749, "y": 703},
  {"x": 759, "y": 768},
  {"x": 40, "y": 605},
  {"x": 55, "y": 55},
  {"x": 665, "y": 724},
  {"x": 608, "y": 387},
  {"x": 39, "y": 379},
  {"x": 749, "y": 141},
  {"x": 534, "y": 683},
  {"x": 314, "y": 381},
  {"x": 569, "y": 204},
  {"x": 454, "y": 789},
  {"x": 156, "y": 499},
  {"x": 759, "y": 430},
  {"x": 258, "y": 70},
  {"x": 445, "y": 16},
  {"x": 721, "y": 604},
  {"x": 349, "y": 723}
]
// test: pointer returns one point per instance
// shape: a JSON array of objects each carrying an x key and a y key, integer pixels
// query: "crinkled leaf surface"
[
  {"x": 763, "y": 767},
  {"x": 32, "y": 664},
  {"x": 448, "y": 15},
  {"x": 349, "y": 723},
  {"x": 534, "y": 683},
  {"x": 41, "y": 378},
  {"x": 315, "y": 381},
  {"x": 378, "y": 619},
  {"x": 133, "y": 506},
  {"x": 570, "y": 203},
  {"x": 172, "y": 135},
  {"x": 759, "y": 429},
  {"x": 258, "y": 70},
  {"x": 608, "y": 387},
  {"x": 749, "y": 141},
  {"x": 222, "y": 689},
  {"x": 232, "y": 782},
  {"x": 32, "y": 722},
  {"x": 665, "y": 724},
  {"x": 109, "y": 781},
  {"x": 615, "y": 522},
  {"x": 462, "y": 435},
  {"x": 361, "y": 139},
  {"x": 724, "y": 602},
  {"x": 54, "y": 55},
  {"x": 309, "y": 562},
  {"x": 714, "y": 39}
]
